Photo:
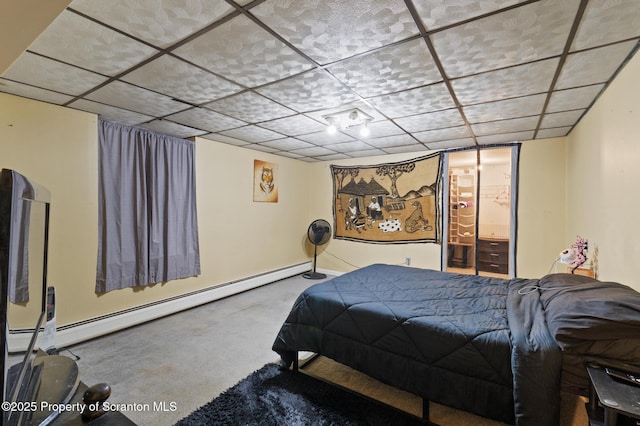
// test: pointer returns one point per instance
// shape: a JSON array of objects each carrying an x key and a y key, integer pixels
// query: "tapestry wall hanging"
[
  {"x": 387, "y": 203},
  {"x": 265, "y": 188}
]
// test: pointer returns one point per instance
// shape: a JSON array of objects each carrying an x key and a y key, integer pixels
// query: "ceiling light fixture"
[
  {"x": 332, "y": 129},
  {"x": 364, "y": 129},
  {"x": 346, "y": 119}
]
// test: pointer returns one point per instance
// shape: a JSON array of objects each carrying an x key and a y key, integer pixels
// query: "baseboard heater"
[{"x": 70, "y": 334}]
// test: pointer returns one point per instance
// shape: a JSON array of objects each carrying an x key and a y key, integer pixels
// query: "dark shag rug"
[{"x": 270, "y": 396}]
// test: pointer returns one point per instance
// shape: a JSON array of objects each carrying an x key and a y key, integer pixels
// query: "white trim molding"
[{"x": 79, "y": 332}]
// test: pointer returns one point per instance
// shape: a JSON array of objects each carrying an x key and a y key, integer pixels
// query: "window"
[{"x": 148, "y": 230}]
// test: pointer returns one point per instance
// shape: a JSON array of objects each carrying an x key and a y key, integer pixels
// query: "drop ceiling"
[{"x": 433, "y": 74}]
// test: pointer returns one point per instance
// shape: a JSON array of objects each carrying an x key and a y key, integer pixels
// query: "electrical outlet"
[{"x": 407, "y": 261}]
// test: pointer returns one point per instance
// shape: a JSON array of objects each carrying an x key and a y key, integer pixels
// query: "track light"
[
  {"x": 347, "y": 119},
  {"x": 332, "y": 129},
  {"x": 364, "y": 129}
]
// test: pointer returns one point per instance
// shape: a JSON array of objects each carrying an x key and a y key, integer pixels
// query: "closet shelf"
[
  {"x": 466, "y": 235},
  {"x": 462, "y": 216}
]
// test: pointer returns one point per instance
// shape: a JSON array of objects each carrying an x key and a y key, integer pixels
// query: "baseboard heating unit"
[{"x": 70, "y": 334}]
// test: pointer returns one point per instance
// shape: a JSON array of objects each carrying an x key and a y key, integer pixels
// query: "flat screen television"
[{"x": 24, "y": 234}]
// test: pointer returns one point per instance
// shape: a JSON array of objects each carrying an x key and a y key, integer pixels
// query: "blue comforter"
[{"x": 475, "y": 343}]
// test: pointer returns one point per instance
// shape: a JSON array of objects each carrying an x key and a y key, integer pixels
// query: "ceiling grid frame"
[{"x": 317, "y": 49}]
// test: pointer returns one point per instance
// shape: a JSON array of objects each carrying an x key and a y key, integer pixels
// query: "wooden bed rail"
[{"x": 298, "y": 366}]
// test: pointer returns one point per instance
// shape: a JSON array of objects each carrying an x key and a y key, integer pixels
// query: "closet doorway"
[{"x": 479, "y": 211}]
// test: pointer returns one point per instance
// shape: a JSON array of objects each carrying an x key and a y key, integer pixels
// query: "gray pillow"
[{"x": 580, "y": 310}]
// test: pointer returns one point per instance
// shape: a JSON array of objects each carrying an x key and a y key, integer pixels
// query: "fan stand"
[{"x": 313, "y": 275}]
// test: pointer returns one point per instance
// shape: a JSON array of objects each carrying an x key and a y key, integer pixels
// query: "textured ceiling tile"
[
  {"x": 294, "y": 125},
  {"x": 243, "y": 52},
  {"x": 367, "y": 153},
  {"x": 258, "y": 147},
  {"x": 206, "y": 119},
  {"x": 496, "y": 53},
  {"x": 110, "y": 113},
  {"x": 505, "y": 126},
  {"x": 524, "y": 34},
  {"x": 313, "y": 151},
  {"x": 26, "y": 91},
  {"x": 312, "y": 90},
  {"x": 136, "y": 99},
  {"x": 505, "y": 137},
  {"x": 454, "y": 143},
  {"x": 416, "y": 101},
  {"x": 459, "y": 132},
  {"x": 349, "y": 146},
  {"x": 157, "y": 22},
  {"x": 330, "y": 30},
  {"x": 170, "y": 128},
  {"x": 361, "y": 105},
  {"x": 250, "y": 107},
  {"x": 553, "y": 133},
  {"x": 506, "y": 83},
  {"x": 580, "y": 98},
  {"x": 290, "y": 154},
  {"x": 593, "y": 66},
  {"x": 560, "y": 119},
  {"x": 510, "y": 108},
  {"x": 432, "y": 120},
  {"x": 608, "y": 21},
  {"x": 389, "y": 141},
  {"x": 377, "y": 129},
  {"x": 225, "y": 139},
  {"x": 440, "y": 13},
  {"x": 252, "y": 134},
  {"x": 288, "y": 144},
  {"x": 324, "y": 138},
  {"x": 332, "y": 157},
  {"x": 180, "y": 80},
  {"x": 398, "y": 67},
  {"x": 84, "y": 43},
  {"x": 416, "y": 147},
  {"x": 48, "y": 74}
]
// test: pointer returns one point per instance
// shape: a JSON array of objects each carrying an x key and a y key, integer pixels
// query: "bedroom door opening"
[{"x": 479, "y": 212}]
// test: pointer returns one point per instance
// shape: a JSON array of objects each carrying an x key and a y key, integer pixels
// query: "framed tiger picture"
[{"x": 265, "y": 186}]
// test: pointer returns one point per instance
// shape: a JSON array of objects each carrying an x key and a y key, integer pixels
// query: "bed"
[{"x": 499, "y": 348}]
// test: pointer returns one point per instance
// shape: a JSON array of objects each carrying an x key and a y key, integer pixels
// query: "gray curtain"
[{"x": 148, "y": 228}]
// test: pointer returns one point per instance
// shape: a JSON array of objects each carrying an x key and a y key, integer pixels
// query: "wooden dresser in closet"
[{"x": 493, "y": 255}]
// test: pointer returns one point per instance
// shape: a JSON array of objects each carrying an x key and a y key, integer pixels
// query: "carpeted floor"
[{"x": 272, "y": 397}]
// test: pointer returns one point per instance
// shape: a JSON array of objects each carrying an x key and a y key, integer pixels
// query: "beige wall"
[
  {"x": 342, "y": 255},
  {"x": 57, "y": 147},
  {"x": 21, "y": 22},
  {"x": 584, "y": 184},
  {"x": 603, "y": 172},
  {"x": 541, "y": 216},
  {"x": 541, "y": 207}
]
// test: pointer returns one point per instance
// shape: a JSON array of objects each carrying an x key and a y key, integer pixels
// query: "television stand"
[
  {"x": 611, "y": 396},
  {"x": 74, "y": 418},
  {"x": 58, "y": 384}
]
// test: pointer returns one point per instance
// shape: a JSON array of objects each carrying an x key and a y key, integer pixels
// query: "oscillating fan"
[{"x": 318, "y": 233}]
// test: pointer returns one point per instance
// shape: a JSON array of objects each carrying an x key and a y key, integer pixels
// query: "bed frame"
[
  {"x": 297, "y": 366},
  {"x": 493, "y": 347}
]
